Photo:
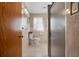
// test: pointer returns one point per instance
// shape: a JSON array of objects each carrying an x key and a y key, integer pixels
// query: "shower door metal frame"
[{"x": 49, "y": 31}]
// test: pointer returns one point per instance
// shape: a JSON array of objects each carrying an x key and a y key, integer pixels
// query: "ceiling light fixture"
[{"x": 44, "y": 7}]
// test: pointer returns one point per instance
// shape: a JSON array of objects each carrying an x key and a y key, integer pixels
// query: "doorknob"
[{"x": 20, "y": 36}]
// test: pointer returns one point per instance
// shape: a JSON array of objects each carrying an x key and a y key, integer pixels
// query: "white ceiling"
[{"x": 37, "y": 7}]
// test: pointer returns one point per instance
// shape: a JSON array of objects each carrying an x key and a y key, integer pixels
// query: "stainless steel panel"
[{"x": 57, "y": 34}]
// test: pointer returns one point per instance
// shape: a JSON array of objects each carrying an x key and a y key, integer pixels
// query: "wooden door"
[{"x": 10, "y": 42}]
